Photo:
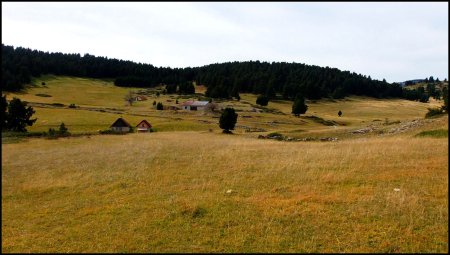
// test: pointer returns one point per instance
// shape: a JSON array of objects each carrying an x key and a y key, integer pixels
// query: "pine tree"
[
  {"x": 62, "y": 129},
  {"x": 19, "y": 115},
  {"x": 228, "y": 120},
  {"x": 299, "y": 106}
]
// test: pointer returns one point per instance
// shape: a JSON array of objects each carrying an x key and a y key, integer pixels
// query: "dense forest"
[{"x": 225, "y": 80}]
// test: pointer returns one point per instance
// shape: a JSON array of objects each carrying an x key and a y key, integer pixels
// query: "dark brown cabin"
[{"x": 120, "y": 125}]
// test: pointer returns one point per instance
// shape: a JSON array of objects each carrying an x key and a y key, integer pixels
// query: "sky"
[{"x": 393, "y": 41}]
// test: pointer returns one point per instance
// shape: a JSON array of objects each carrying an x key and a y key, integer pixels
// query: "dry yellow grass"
[{"x": 167, "y": 192}]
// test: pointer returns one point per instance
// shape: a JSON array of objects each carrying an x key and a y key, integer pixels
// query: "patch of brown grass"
[{"x": 166, "y": 192}]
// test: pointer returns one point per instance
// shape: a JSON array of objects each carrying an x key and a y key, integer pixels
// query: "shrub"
[
  {"x": 42, "y": 95},
  {"x": 275, "y": 135},
  {"x": 72, "y": 106},
  {"x": 110, "y": 132},
  {"x": 107, "y": 131},
  {"x": 262, "y": 100},
  {"x": 51, "y": 132},
  {"x": 159, "y": 106}
]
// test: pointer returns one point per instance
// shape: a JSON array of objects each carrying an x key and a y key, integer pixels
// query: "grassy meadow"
[
  {"x": 190, "y": 188},
  {"x": 100, "y": 103},
  {"x": 167, "y": 192}
]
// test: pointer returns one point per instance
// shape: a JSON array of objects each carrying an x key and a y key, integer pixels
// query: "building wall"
[
  {"x": 194, "y": 108},
  {"x": 120, "y": 129}
]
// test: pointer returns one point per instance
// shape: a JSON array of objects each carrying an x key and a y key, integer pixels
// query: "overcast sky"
[{"x": 395, "y": 41}]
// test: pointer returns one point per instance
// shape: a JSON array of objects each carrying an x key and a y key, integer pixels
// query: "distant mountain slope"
[{"x": 222, "y": 80}]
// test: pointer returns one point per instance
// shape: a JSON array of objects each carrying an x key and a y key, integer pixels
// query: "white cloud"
[{"x": 396, "y": 41}]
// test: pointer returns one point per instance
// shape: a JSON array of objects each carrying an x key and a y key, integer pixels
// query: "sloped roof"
[
  {"x": 200, "y": 103},
  {"x": 146, "y": 122},
  {"x": 187, "y": 103},
  {"x": 120, "y": 122},
  {"x": 195, "y": 103}
]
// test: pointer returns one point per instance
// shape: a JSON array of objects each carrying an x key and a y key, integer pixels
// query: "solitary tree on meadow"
[
  {"x": 228, "y": 120},
  {"x": 19, "y": 115},
  {"x": 63, "y": 129},
  {"x": 299, "y": 106},
  {"x": 262, "y": 100},
  {"x": 339, "y": 113}
]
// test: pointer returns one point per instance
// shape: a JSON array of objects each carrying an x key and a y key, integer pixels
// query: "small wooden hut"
[
  {"x": 144, "y": 126},
  {"x": 120, "y": 125}
]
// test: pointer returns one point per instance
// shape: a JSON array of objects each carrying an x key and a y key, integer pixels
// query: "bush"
[
  {"x": 61, "y": 132},
  {"x": 51, "y": 132},
  {"x": 110, "y": 132},
  {"x": 72, "y": 106},
  {"x": 105, "y": 132},
  {"x": 159, "y": 106},
  {"x": 42, "y": 95},
  {"x": 275, "y": 135},
  {"x": 262, "y": 100}
]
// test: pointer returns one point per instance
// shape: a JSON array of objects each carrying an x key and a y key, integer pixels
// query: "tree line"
[{"x": 225, "y": 80}]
